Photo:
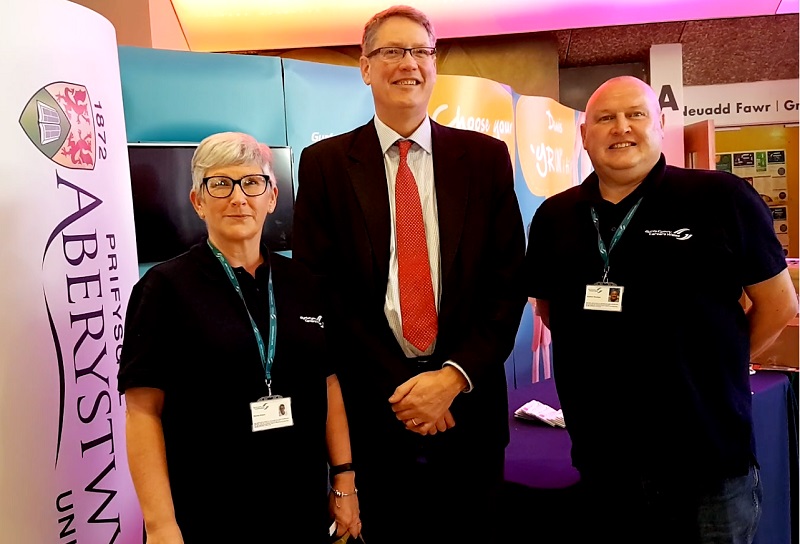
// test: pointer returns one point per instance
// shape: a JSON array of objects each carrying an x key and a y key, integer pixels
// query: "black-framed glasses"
[
  {"x": 394, "y": 54},
  {"x": 222, "y": 186}
]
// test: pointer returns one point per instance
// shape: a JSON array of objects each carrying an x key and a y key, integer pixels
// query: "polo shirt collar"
[{"x": 590, "y": 188}]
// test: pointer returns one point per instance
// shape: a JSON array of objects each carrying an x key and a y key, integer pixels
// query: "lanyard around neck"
[
  {"x": 268, "y": 357},
  {"x": 617, "y": 235}
]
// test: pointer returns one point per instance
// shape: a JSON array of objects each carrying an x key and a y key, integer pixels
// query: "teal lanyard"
[
  {"x": 269, "y": 357},
  {"x": 617, "y": 235}
]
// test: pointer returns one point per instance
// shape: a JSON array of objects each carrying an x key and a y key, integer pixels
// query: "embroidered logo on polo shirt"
[
  {"x": 680, "y": 234},
  {"x": 316, "y": 320}
]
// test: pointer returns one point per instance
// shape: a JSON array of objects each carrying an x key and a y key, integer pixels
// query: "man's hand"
[
  {"x": 423, "y": 402},
  {"x": 440, "y": 425}
]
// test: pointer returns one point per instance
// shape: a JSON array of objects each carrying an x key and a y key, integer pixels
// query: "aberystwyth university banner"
[{"x": 68, "y": 264}]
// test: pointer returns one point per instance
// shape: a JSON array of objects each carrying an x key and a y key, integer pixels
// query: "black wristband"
[{"x": 338, "y": 469}]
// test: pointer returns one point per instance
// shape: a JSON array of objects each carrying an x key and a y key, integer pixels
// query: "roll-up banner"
[
  {"x": 551, "y": 159},
  {"x": 68, "y": 262},
  {"x": 474, "y": 103},
  {"x": 549, "y": 149}
]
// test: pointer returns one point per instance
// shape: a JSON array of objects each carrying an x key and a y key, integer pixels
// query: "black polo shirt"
[
  {"x": 187, "y": 332},
  {"x": 661, "y": 387}
]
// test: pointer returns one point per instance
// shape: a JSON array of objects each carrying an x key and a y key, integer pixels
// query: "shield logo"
[{"x": 58, "y": 120}]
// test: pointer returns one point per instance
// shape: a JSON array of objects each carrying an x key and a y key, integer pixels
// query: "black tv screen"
[{"x": 166, "y": 224}]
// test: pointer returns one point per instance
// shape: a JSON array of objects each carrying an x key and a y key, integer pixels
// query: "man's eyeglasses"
[
  {"x": 395, "y": 54},
  {"x": 222, "y": 186}
]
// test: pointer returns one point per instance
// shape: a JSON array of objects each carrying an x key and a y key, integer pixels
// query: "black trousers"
[{"x": 432, "y": 497}]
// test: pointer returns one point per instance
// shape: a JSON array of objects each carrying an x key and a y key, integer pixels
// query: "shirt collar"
[
  {"x": 590, "y": 188},
  {"x": 421, "y": 136},
  {"x": 262, "y": 268}
]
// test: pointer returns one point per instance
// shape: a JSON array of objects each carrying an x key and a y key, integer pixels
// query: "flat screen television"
[{"x": 166, "y": 224}]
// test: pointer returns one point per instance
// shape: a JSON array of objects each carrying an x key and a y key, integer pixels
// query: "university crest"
[{"x": 58, "y": 120}]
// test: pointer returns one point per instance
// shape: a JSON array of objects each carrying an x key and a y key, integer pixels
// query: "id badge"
[
  {"x": 271, "y": 413},
  {"x": 603, "y": 297}
]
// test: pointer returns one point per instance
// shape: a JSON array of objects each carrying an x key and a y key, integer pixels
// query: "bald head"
[
  {"x": 623, "y": 133},
  {"x": 626, "y": 83}
]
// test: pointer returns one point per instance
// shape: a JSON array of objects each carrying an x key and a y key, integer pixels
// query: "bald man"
[{"x": 655, "y": 389}]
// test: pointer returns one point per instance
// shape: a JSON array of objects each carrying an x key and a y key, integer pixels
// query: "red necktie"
[{"x": 417, "y": 305}]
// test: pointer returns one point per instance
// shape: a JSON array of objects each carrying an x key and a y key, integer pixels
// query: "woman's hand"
[
  {"x": 343, "y": 504},
  {"x": 165, "y": 534}
]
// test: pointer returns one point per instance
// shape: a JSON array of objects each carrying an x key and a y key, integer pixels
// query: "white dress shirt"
[{"x": 420, "y": 161}]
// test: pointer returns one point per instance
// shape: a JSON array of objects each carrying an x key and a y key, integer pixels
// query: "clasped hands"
[{"x": 423, "y": 402}]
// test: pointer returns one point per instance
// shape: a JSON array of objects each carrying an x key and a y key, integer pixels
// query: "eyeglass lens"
[
  {"x": 222, "y": 186},
  {"x": 397, "y": 53}
]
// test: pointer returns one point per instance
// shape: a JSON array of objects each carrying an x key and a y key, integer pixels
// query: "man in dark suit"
[{"x": 427, "y": 410}]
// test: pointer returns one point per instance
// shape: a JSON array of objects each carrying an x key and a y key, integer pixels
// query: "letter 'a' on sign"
[{"x": 666, "y": 98}]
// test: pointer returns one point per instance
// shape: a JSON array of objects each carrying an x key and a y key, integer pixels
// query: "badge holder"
[
  {"x": 271, "y": 411},
  {"x": 604, "y": 296}
]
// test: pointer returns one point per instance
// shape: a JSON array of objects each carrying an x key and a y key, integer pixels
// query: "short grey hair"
[
  {"x": 229, "y": 149},
  {"x": 375, "y": 22}
]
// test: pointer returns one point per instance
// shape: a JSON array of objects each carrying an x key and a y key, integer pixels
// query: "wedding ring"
[{"x": 414, "y": 421}]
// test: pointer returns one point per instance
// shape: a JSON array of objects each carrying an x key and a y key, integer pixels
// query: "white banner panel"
[
  {"x": 738, "y": 104},
  {"x": 666, "y": 78},
  {"x": 68, "y": 263}
]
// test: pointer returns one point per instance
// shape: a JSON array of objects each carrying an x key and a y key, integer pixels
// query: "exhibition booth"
[{"x": 104, "y": 135}]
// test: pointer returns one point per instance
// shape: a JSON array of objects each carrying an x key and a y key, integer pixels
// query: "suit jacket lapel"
[
  {"x": 368, "y": 176},
  {"x": 450, "y": 174}
]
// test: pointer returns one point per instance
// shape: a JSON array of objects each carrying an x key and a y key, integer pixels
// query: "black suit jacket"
[{"x": 342, "y": 232}]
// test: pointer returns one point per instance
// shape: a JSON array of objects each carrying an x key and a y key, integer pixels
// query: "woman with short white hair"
[{"x": 217, "y": 341}]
